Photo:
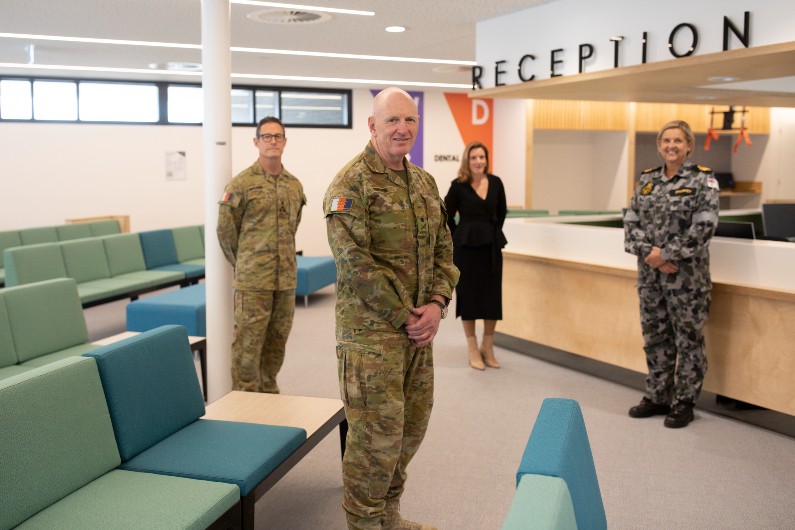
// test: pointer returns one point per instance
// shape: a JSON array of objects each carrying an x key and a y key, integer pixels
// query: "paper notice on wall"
[{"x": 175, "y": 165}]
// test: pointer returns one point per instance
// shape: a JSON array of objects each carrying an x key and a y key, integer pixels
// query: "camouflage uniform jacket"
[
  {"x": 258, "y": 217},
  {"x": 391, "y": 243},
  {"x": 679, "y": 215}
]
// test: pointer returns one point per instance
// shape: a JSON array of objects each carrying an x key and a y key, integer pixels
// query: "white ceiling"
[{"x": 436, "y": 29}]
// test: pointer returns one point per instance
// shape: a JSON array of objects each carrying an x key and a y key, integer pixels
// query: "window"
[
  {"x": 16, "y": 100},
  {"x": 299, "y": 108},
  {"x": 99, "y": 101},
  {"x": 119, "y": 102},
  {"x": 185, "y": 104},
  {"x": 55, "y": 100}
]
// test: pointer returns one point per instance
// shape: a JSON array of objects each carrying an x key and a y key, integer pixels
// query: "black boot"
[
  {"x": 646, "y": 409},
  {"x": 681, "y": 415}
]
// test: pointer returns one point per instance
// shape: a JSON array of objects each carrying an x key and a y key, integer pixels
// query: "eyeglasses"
[{"x": 268, "y": 137}]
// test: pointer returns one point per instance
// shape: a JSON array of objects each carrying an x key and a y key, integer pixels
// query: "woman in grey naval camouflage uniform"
[{"x": 669, "y": 224}]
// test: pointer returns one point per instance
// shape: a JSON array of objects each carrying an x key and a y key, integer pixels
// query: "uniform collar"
[{"x": 374, "y": 161}]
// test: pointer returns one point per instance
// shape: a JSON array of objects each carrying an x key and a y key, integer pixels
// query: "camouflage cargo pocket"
[{"x": 361, "y": 375}]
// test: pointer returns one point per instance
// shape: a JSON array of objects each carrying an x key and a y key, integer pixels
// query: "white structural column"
[{"x": 217, "y": 138}]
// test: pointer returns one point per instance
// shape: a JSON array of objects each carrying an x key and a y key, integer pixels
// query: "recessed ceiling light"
[
  {"x": 395, "y": 29},
  {"x": 722, "y": 79}
]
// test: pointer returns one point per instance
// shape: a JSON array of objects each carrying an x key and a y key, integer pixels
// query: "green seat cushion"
[
  {"x": 14, "y": 369},
  {"x": 42, "y": 234},
  {"x": 126, "y": 499},
  {"x": 93, "y": 293},
  {"x": 8, "y": 239},
  {"x": 56, "y": 436},
  {"x": 152, "y": 278},
  {"x": 104, "y": 227},
  {"x": 85, "y": 260},
  {"x": 72, "y": 231},
  {"x": 45, "y": 317},
  {"x": 8, "y": 353},
  {"x": 34, "y": 263},
  {"x": 190, "y": 271},
  {"x": 188, "y": 242},
  {"x": 541, "y": 503},
  {"x": 124, "y": 253},
  {"x": 74, "y": 351},
  {"x": 224, "y": 451}
]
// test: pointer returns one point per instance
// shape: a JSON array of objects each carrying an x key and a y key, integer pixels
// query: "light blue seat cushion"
[
  {"x": 540, "y": 503},
  {"x": 151, "y": 386},
  {"x": 314, "y": 272},
  {"x": 222, "y": 451},
  {"x": 185, "y": 307},
  {"x": 559, "y": 447}
]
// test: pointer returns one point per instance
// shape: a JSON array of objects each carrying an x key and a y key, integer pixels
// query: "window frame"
[{"x": 162, "y": 87}]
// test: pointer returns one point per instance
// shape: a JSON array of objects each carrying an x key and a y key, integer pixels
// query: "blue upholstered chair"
[
  {"x": 558, "y": 448},
  {"x": 155, "y": 404}
]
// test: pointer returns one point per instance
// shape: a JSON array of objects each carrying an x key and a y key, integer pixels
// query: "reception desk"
[{"x": 572, "y": 287}]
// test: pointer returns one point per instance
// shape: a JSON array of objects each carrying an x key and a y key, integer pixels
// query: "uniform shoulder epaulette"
[
  {"x": 651, "y": 170},
  {"x": 704, "y": 169}
]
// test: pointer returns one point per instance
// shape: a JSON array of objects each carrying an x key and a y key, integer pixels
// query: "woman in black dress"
[{"x": 479, "y": 200}]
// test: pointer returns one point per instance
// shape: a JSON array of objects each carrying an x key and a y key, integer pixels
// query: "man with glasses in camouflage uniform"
[{"x": 258, "y": 217}]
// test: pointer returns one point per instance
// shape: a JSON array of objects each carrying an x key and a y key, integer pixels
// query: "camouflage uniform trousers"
[
  {"x": 263, "y": 320},
  {"x": 673, "y": 311},
  {"x": 387, "y": 388}
]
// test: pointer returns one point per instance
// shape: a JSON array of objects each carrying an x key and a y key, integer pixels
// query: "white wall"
[
  {"x": 53, "y": 172},
  {"x": 579, "y": 170}
]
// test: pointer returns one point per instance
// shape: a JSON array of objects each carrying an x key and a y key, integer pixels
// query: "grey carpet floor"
[{"x": 717, "y": 473}]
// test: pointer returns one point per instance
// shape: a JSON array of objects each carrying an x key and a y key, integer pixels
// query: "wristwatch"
[{"x": 441, "y": 306}]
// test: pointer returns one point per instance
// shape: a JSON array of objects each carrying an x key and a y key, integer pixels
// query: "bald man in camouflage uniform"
[
  {"x": 258, "y": 217},
  {"x": 387, "y": 228},
  {"x": 672, "y": 217}
]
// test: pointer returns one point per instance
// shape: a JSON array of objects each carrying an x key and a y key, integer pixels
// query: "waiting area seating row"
[
  {"x": 112, "y": 267},
  {"x": 40, "y": 323},
  {"x": 556, "y": 484},
  {"x": 53, "y": 234},
  {"x": 115, "y": 439}
]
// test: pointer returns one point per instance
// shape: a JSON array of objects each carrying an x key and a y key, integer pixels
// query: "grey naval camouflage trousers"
[
  {"x": 263, "y": 320},
  {"x": 387, "y": 388},
  {"x": 673, "y": 311}
]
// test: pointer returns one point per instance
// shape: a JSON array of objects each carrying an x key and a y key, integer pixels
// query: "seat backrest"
[
  {"x": 159, "y": 248},
  {"x": 33, "y": 263},
  {"x": 56, "y": 436},
  {"x": 8, "y": 353},
  {"x": 104, "y": 227},
  {"x": 45, "y": 317},
  {"x": 8, "y": 239},
  {"x": 124, "y": 253},
  {"x": 85, "y": 259},
  {"x": 559, "y": 447},
  {"x": 40, "y": 234},
  {"x": 151, "y": 387},
  {"x": 188, "y": 243},
  {"x": 72, "y": 231}
]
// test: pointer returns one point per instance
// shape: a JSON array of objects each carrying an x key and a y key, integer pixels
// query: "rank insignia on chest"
[
  {"x": 647, "y": 188},
  {"x": 340, "y": 204},
  {"x": 682, "y": 191},
  {"x": 227, "y": 197}
]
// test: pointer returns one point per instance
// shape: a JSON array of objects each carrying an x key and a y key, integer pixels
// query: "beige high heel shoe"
[
  {"x": 475, "y": 358},
  {"x": 487, "y": 349}
]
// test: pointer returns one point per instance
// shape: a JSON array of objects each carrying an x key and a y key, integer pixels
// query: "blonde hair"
[
  {"x": 682, "y": 126},
  {"x": 464, "y": 173}
]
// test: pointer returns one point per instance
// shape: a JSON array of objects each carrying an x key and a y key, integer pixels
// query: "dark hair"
[
  {"x": 464, "y": 173},
  {"x": 270, "y": 119}
]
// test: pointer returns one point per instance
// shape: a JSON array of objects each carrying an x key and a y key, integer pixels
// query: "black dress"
[{"x": 477, "y": 248}]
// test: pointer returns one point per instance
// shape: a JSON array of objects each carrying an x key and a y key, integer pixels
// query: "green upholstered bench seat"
[
  {"x": 161, "y": 251},
  {"x": 60, "y": 456},
  {"x": 40, "y": 323}
]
